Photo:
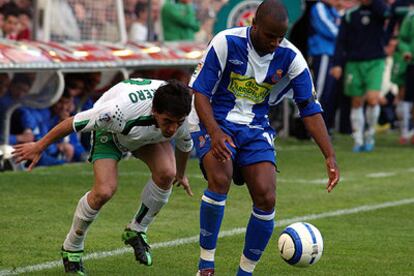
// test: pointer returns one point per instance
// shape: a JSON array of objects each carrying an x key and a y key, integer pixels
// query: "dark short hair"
[
  {"x": 273, "y": 8},
  {"x": 21, "y": 78},
  {"x": 173, "y": 98},
  {"x": 139, "y": 8}
]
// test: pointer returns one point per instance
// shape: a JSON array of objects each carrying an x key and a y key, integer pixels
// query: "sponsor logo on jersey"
[
  {"x": 236, "y": 61},
  {"x": 247, "y": 87}
]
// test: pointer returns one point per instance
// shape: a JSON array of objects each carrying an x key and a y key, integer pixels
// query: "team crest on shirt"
[
  {"x": 198, "y": 69},
  {"x": 365, "y": 20},
  {"x": 201, "y": 141},
  {"x": 277, "y": 76},
  {"x": 247, "y": 87}
]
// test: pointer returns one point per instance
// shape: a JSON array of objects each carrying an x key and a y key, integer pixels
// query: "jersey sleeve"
[
  {"x": 101, "y": 117},
  {"x": 211, "y": 67},
  {"x": 183, "y": 139},
  {"x": 304, "y": 93}
]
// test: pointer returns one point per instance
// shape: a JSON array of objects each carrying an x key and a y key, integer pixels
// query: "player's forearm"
[
  {"x": 317, "y": 129},
  {"x": 59, "y": 131},
  {"x": 181, "y": 159},
  {"x": 205, "y": 113}
]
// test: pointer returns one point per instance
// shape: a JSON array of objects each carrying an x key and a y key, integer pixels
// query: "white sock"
[
  {"x": 405, "y": 118},
  {"x": 207, "y": 254},
  {"x": 153, "y": 199},
  {"x": 399, "y": 110},
  {"x": 247, "y": 265},
  {"x": 372, "y": 114},
  {"x": 358, "y": 122},
  {"x": 83, "y": 217}
]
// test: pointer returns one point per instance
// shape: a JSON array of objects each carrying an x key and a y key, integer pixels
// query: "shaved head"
[
  {"x": 269, "y": 26},
  {"x": 272, "y": 8}
]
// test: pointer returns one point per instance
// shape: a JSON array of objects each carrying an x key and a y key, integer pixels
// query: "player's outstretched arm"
[
  {"x": 33, "y": 151},
  {"x": 317, "y": 129},
  {"x": 181, "y": 179}
]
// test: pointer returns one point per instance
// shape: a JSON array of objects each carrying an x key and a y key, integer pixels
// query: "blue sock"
[
  {"x": 258, "y": 233},
  {"x": 211, "y": 215}
]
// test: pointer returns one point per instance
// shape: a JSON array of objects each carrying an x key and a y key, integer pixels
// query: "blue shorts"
[{"x": 253, "y": 145}]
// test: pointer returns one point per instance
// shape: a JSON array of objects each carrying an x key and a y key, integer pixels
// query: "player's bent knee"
[
  {"x": 165, "y": 177},
  {"x": 103, "y": 195},
  {"x": 220, "y": 179}
]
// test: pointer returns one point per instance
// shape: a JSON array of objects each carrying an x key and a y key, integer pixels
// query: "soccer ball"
[{"x": 301, "y": 244}]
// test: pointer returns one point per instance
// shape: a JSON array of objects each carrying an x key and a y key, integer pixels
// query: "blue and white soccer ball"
[{"x": 301, "y": 244}]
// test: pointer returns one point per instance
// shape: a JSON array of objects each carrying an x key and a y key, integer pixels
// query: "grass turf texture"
[{"x": 36, "y": 212}]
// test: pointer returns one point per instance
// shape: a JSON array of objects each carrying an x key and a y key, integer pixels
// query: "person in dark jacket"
[{"x": 360, "y": 50}]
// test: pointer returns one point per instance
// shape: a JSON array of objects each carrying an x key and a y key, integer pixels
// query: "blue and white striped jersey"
[{"x": 241, "y": 84}]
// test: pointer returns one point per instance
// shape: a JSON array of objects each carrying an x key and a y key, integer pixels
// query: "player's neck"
[{"x": 254, "y": 42}]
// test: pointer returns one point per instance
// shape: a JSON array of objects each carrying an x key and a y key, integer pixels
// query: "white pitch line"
[
  {"x": 381, "y": 174},
  {"x": 194, "y": 239}
]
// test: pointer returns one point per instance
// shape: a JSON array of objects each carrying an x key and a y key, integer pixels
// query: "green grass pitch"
[{"x": 376, "y": 239}]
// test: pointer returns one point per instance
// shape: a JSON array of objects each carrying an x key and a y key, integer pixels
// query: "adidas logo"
[
  {"x": 205, "y": 233},
  {"x": 236, "y": 61}
]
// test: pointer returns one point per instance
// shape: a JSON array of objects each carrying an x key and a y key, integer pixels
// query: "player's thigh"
[
  {"x": 106, "y": 182},
  {"x": 105, "y": 156},
  {"x": 353, "y": 80},
  {"x": 159, "y": 158},
  {"x": 106, "y": 173},
  {"x": 103, "y": 147},
  {"x": 374, "y": 72}
]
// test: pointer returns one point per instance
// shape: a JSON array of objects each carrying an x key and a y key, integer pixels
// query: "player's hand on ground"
[
  {"x": 333, "y": 173},
  {"x": 219, "y": 147},
  {"x": 27, "y": 151},
  {"x": 183, "y": 181}
]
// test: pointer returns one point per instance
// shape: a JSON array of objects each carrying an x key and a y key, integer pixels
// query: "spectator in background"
[
  {"x": 398, "y": 11},
  {"x": 139, "y": 30},
  {"x": 406, "y": 46},
  {"x": 324, "y": 24},
  {"x": 82, "y": 88},
  {"x": 360, "y": 49},
  {"x": 11, "y": 25},
  {"x": 67, "y": 149},
  {"x": 25, "y": 19},
  {"x": 179, "y": 20},
  {"x": 1, "y": 23},
  {"x": 205, "y": 34},
  {"x": 20, "y": 130},
  {"x": 129, "y": 12},
  {"x": 4, "y": 83},
  {"x": 65, "y": 21}
]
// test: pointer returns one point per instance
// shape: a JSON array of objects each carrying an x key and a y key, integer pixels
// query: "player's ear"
[{"x": 254, "y": 23}]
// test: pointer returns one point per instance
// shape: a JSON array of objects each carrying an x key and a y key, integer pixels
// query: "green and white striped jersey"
[{"x": 125, "y": 110}]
